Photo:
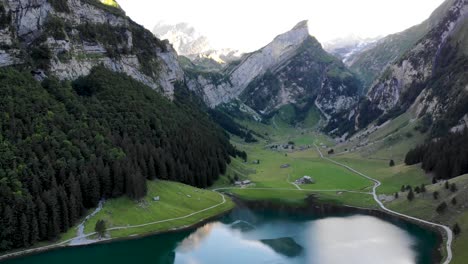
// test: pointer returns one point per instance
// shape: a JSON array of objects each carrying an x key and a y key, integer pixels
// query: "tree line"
[
  {"x": 65, "y": 146},
  {"x": 446, "y": 157}
]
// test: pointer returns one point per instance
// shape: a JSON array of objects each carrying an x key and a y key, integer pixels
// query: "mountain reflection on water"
[{"x": 246, "y": 236}]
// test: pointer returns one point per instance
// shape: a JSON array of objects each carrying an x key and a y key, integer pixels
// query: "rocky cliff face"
[
  {"x": 406, "y": 78},
  {"x": 432, "y": 76},
  {"x": 68, "y": 38},
  {"x": 292, "y": 69},
  {"x": 373, "y": 60}
]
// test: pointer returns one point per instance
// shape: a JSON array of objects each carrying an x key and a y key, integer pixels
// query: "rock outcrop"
[
  {"x": 430, "y": 78},
  {"x": 70, "y": 37}
]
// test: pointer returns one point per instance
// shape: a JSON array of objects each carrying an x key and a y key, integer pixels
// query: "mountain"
[
  {"x": 432, "y": 75},
  {"x": 188, "y": 42},
  {"x": 183, "y": 37},
  {"x": 371, "y": 61},
  {"x": 92, "y": 106},
  {"x": 347, "y": 47},
  {"x": 292, "y": 69},
  {"x": 429, "y": 77}
]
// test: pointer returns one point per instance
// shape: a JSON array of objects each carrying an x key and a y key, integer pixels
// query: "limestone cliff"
[
  {"x": 292, "y": 69},
  {"x": 68, "y": 38}
]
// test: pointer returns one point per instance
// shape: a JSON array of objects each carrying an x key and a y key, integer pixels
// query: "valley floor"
[{"x": 274, "y": 171}]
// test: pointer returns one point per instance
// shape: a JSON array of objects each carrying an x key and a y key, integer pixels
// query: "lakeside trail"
[
  {"x": 80, "y": 238},
  {"x": 83, "y": 238},
  {"x": 376, "y": 198}
]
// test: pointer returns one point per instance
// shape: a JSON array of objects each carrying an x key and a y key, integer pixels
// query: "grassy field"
[
  {"x": 392, "y": 141},
  {"x": 392, "y": 178},
  {"x": 424, "y": 206},
  {"x": 176, "y": 200},
  {"x": 269, "y": 174}
]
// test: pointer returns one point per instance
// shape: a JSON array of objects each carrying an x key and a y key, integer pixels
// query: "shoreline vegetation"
[
  {"x": 311, "y": 205},
  {"x": 335, "y": 185}
]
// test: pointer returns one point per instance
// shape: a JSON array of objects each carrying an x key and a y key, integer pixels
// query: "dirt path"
[
  {"x": 293, "y": 183},
  {"x": 376, "y": 198},
  {"x": 83, "y": 237}
]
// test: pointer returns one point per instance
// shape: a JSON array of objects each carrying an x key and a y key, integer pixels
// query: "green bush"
[
  {"x": 55, "y": 27},
  {"x": 41, "y": 57},
  {"x": 60, "y": 6}
]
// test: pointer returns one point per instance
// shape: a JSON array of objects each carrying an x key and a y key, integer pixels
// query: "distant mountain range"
[
  {"x": 190, "y": 43},
  {"x": 347, "y": 47}
]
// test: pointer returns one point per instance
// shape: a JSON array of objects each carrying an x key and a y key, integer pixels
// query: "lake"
[{"x": 265, "y": 236}]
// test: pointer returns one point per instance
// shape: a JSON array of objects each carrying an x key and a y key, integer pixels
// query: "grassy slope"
[
  {"x": 392, "y": 141},
  {"x": 392, "y": 178},
  {"x": 174, "y": 202},
  {"x": 424, "y": 206}
]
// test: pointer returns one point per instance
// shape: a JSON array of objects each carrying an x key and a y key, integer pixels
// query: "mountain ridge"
[{"x": 72, "y": 37}]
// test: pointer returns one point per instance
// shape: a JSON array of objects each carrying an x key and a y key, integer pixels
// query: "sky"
[{"x": 248, "y": 25}]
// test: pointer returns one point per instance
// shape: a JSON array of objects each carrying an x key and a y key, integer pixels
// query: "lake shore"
[
  {"x": 311, "y": 206},
  {"x": 316, "y": 207}
]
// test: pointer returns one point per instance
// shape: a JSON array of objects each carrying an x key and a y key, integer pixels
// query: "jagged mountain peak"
[
  {"x": 190, "y": 43},
  {"x": 185, "y": 39},
  {"x": 304, "y": 24}
]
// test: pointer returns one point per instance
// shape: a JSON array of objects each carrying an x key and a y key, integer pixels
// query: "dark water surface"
[{"x": 246, "y": 236}]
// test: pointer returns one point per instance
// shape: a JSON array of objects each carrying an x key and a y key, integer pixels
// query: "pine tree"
[
  {"x": 151, "y": 169},
  {"x": 64, "y": 211},
  {"x": 92, "y": 191},
  {"x": 456, "y": 229},
  {"x": 24, "y": 230},
  {"x": 106, "y": 182},
  {"x": 8, "y": 221},
  {"x": 410, "y": 195},
  {"x": 100, "y": 228},
  {"x": 454, "y": 201},
  {"x": 441, "y": 207},
  {"x": 34, "y": 227},
  {"x": 42, "y": 218},
  {"x": 453, "y": 187},
  {"x": 417, "y": 189},
  {"x": 119, "y": 180},
  {"x": 423, "y": 188}
]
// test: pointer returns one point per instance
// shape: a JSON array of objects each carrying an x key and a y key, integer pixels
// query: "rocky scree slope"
[{"x": 68, "y": 38}]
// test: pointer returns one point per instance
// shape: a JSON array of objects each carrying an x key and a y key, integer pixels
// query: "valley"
[{"x": 116, "y": 138}]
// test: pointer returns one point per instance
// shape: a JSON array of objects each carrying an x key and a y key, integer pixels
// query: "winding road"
[
  {"x": 373, "y": 193},
  {"x": 376, "y": 198}
]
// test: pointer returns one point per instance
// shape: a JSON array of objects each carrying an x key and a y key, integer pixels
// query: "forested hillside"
[
  {"x": 64, "y": 146},
  {"x": 447, "y": 157}
]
